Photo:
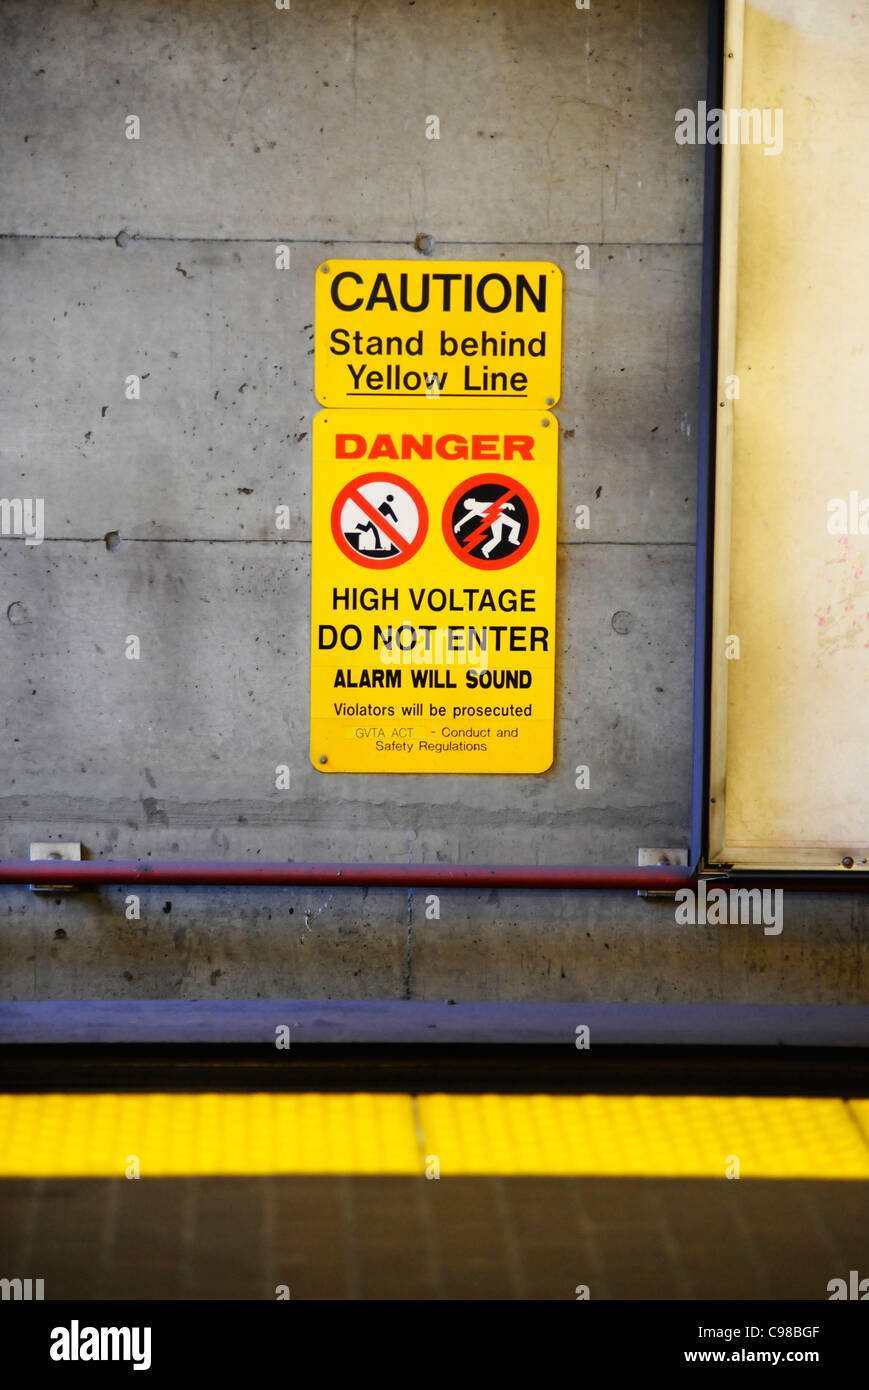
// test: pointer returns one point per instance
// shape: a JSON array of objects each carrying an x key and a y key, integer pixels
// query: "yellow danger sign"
[
  {"x": 441, "y": 334},
  {"x": 433, "y": 591}
]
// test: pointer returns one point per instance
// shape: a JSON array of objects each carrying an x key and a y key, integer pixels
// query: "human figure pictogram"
[
  {"x": 476, "y": 510},
  {"x": 370, "y": 537}
]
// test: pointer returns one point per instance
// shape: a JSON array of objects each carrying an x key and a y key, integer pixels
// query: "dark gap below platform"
[{"x": 502, "y": 1068}]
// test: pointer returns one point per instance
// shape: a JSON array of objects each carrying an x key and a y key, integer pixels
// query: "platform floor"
[{"x": 456, "y": 1238}]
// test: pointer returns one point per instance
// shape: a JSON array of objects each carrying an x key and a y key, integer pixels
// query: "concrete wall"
[{"x": 307, "y": 127}]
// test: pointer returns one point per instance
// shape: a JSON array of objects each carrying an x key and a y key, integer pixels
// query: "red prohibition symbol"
[
  {"x": 379, "y": 520},
  {"x": 490, "y": 521}
]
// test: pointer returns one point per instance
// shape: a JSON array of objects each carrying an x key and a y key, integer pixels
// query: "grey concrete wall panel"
[
  {"x": 223, "y": 344},
  {"x": 555, "y": 124},
  {"x": 546, "y": 948},
  {"x": 176, "y": 752}
]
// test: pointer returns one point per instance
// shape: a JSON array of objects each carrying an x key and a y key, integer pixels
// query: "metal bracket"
[
  {"x": 60, "y": 850},
  {"x": 664, "y": 859}
]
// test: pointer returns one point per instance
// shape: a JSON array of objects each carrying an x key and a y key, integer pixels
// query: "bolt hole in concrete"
[
  {"x": 113, "y": 540},
  {"x": 425, "y": 243},
  {"x": 17, "y": 614},
  {"x": 622, "y": 622}
]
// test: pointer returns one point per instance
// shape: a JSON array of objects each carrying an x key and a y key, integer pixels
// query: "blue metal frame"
[
  {"x": 331, "y": 1022},
  {"x": 706, "y": 448}
]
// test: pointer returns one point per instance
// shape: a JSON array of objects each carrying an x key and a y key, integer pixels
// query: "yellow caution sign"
[
  {"x": 433, "y": 591},
  {"x": 438, "y": 334}
]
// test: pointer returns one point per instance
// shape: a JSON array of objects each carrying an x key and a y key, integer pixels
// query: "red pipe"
[
  {"x": 103, "y": 871},
  {"x": 95, "y": 872}
]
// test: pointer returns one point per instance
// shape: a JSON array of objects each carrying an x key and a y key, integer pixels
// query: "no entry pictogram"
[
  {"x": 379, "y": 520},
  {"x": 490, "y": 521}
]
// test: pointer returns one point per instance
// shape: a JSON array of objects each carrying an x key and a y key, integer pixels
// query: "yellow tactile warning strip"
[
  {"x": 132, "y": 1135},
  {"x": 205, "y": 1135},
  {"x": 644, "y": 1136}
]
